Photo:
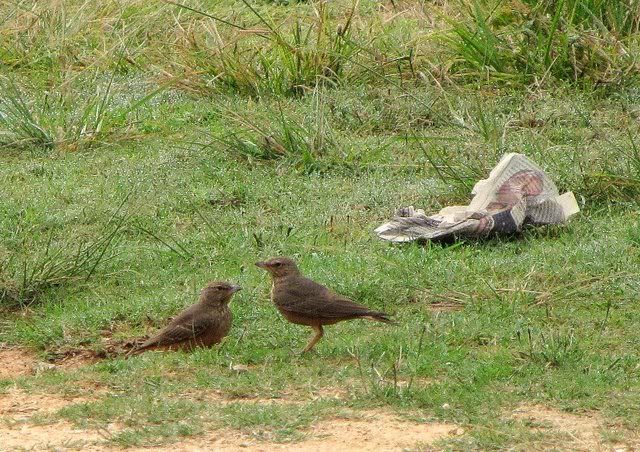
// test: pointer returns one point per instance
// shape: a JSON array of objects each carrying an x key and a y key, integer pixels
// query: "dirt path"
[
  {"x": 21, "y": 425},
  {"x": 369, "y": 431},
  {"x": 16, "y": 362},
  {"x": 576, "y": 431},
  {"x": 372, "y": 430}
]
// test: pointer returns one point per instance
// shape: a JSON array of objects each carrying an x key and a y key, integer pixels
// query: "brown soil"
[
  {"x": 17, "y": 362},
  {"x": 372, "y": 431},
  {"x": 59, "y": 436},
  {"x": 19, "y": 405},
  {"x": 20, "y": 361},
  {"x": 375, "y": 431},
  {"x": 17, "y": 433},
  {"x": 582, "y": 431}
]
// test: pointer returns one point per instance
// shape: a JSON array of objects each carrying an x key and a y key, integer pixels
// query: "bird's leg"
[{"x": 314, "y": 340}]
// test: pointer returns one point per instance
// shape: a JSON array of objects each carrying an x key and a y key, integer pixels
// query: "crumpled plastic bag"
[{"x": 517, "y": 192}]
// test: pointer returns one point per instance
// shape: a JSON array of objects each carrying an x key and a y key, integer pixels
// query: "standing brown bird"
[
  {"x": 305, "y": 302},
  {"x": 201, "y": 325}
]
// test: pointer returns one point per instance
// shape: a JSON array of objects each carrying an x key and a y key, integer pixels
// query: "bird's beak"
[
  {"x": 235, "y": 288},
  {"x": 261, "y": 264}
]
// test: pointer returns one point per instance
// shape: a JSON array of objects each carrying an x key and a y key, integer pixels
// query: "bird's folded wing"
[
  {"x": 343, "y": 307},
  {"x": 189, "y": 329},
  {"x": 309, "y": 298}
]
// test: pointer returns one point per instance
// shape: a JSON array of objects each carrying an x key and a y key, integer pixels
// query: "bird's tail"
[{"x": 380, "y": 317}]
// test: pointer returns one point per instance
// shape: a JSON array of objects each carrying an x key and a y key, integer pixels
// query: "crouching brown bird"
[
  {"x": 201, "y": 325},
  {"x": 305, "y": 302}
]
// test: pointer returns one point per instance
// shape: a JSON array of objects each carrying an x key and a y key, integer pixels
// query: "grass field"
[{"x": 147, "y": 148}]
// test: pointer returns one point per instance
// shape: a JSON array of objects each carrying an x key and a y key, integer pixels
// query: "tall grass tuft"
[
  {"x": 622, "y": 18},
  {"x": 301, "y": 142},
  {"x": 24, "y": 281},
  {"x": 479, "y": 49},
  {"x": 78, "y": 114},
  {"x": 616, "y": 176},
  {"x": 577, "y": 41},
  {"x": 287, "y": 60},
  {"x": 556, "y": 349},
  {"x": 19, "y": 127}
]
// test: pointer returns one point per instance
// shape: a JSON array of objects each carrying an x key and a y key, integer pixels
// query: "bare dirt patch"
[
  {"x": 17, "y": 433},
  {"x": 19, "y": 405},
  {"x": 376, "y": 430},
  {"x": 17, "y": 362},
  {"x": 364, "y": 431},
  {"x": 370, "y": 431},
  {"x": 59, "y": 436},
  {"x": 582, "y": 431},
  {"x": 20, "y": 361}
]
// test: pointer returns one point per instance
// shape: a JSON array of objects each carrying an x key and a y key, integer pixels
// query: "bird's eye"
[{"x": 277, "y": 264}]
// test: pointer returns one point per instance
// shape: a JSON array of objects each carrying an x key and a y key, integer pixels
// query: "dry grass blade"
[
  {"x": 449, "y": 301},
  {"x": 570, "y": 290}
]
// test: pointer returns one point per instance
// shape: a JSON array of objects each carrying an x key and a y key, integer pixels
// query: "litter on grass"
[{"x": 517, "y": 192}]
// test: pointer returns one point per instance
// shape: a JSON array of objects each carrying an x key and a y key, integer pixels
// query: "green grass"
[{"x": 138, "y": 165}]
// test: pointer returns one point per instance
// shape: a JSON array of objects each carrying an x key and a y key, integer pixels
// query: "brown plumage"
[
  {"x": 201, "y": 325},
  {"x": 305, "y": 302}
]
